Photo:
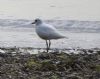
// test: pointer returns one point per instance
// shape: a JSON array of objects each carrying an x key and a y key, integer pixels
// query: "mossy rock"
[
  {"x": 55, "y": 76},
  {"x": 33, "y": 65},
  {"x": 62, "y": 57},
  {"x": 47, "y": 65},
  {"x": 97, "y": 68}
]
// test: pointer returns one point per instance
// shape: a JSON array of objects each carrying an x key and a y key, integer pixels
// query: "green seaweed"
[
  {"x": 97, "y": 68},
  {"x": 32, "y": 64}
]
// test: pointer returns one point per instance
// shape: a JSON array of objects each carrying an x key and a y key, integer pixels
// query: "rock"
[{"x": 59, "y": 65}]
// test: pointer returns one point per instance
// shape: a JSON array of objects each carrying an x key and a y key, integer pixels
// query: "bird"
[{"x": 47, "y": 32}]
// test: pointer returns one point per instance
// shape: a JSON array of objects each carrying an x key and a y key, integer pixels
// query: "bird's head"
[{"x": 37, "y": 21}]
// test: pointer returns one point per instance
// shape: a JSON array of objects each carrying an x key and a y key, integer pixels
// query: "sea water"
[{"x": 20, "y": 33}]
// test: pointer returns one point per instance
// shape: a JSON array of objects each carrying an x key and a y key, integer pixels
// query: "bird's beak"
[{"x": 33, "y": 22}]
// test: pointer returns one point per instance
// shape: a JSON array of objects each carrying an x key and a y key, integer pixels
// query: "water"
[
  {"x": 50, "y": 9},
  {"x": 21, "y": 33}
]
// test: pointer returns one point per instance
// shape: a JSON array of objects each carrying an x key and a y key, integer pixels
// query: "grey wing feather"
[{"x": 50, "y": 32}]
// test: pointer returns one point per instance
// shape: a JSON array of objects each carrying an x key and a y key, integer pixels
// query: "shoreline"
[{"x": 31, "y": 50}]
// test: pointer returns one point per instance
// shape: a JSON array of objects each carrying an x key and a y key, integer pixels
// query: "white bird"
[{"x": 46, "y": 32}]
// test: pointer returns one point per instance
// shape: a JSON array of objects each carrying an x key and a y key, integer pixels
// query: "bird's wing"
[{"x": 50, "y": 31}]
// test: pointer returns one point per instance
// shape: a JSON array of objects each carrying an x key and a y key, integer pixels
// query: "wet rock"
[{"x": 59, "y": 65}]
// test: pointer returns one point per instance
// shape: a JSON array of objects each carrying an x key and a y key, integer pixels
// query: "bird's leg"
[
  {"x": 47, "y": 45},
  {"x": 49, "y": 49}
]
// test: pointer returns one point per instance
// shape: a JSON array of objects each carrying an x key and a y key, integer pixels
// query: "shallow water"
[{"x": 28, "y": 38}]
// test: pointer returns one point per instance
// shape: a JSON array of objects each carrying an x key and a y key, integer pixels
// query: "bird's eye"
[{"x": 36, "y": 20}]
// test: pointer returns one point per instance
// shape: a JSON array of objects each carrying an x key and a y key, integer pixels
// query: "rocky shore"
[{"x": 14, "y": 64}]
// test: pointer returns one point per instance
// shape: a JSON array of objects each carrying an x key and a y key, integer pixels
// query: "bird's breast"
[{"x": 41, "y": 33}]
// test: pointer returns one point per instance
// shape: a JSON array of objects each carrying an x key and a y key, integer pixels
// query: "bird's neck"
[{"x": 40, "y": 24}]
